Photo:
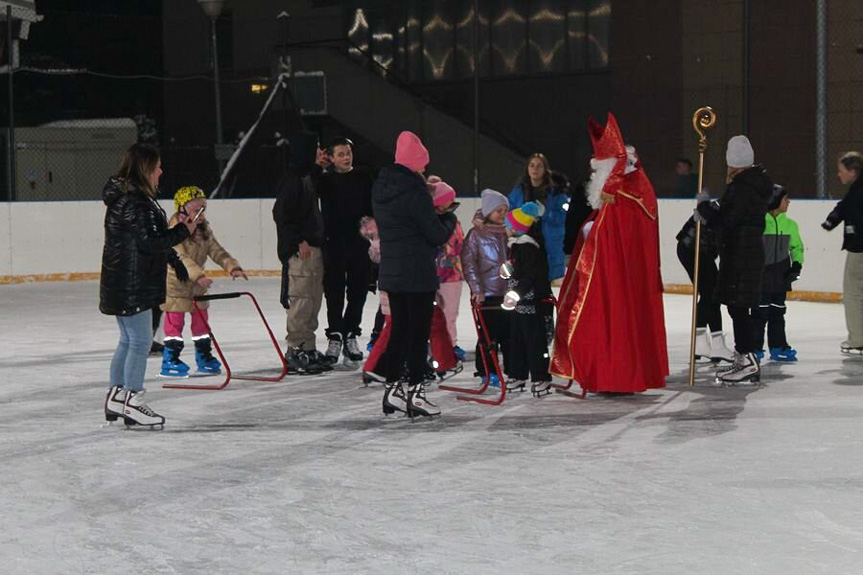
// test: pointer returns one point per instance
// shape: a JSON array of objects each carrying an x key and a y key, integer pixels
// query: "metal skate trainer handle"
[
  {"x": 228, "y": 374},
  {"x": 210, "y": 297}
]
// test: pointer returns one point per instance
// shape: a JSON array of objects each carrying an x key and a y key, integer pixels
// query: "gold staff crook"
[{"x": 703, "y": 120}]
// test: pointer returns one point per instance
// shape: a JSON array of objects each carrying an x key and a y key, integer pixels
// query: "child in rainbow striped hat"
[{"x": 528, "y": 285}]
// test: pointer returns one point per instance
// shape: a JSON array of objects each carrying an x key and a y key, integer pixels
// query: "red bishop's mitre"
[{"x": 607, "y": 142}]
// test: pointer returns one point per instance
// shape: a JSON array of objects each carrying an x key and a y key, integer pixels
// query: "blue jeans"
[{"x": 130, "y": 360}]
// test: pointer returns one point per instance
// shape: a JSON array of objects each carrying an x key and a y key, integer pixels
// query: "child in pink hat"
[{"x": 449, "y": 270}]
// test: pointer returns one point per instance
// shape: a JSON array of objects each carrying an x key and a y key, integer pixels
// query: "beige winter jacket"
[{"x": 194, "y": 255}]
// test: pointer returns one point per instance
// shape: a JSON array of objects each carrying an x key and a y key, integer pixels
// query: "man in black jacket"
[
  {"x": 346, "y": 197},
  {"x": 300, "y": 233}
]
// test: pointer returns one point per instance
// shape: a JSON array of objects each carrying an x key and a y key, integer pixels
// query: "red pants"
[
  {"x": 439, "y": 339},
  {"x": 176, "y": 320}
]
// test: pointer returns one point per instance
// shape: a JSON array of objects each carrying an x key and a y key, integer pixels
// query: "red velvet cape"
[{"x": 610, "y": 334}]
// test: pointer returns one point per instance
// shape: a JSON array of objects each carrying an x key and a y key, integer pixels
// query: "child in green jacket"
[{"x": 783, "y": 262}]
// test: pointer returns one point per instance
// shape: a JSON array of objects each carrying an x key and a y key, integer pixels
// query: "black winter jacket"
[
  {"x": 578, "y": 212},
  {"x": 138, "y": 247},
  {"x": 740, "y": 220},
  {"x": 297, "y": 215},
  {"x": 411, "y": 231},
  {"x": 709, "y": 246},
  {"x": 345, "y": 199},
  {"x": 529, "y": 273},
  {"x": 850, "y": 211}
]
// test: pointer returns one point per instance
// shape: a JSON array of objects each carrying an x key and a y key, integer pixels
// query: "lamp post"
[{"x": 213, "y": 9}]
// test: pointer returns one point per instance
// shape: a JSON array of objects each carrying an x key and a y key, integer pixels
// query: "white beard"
[
  {"x": 631, "y": 160},
  {"x": 601, "y": 170}
]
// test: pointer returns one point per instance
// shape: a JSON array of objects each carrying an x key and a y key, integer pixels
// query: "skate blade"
[
  {"x": 172, "y": 376},
  {"x": 200, "y": 373},
  {"x": 130, "y": 425}
]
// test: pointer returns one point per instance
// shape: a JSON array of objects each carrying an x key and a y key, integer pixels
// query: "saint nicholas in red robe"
[{"x": 610, "y": 334}]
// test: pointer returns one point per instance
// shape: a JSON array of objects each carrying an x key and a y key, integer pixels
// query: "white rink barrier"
[{"x": 50, "y": 241}]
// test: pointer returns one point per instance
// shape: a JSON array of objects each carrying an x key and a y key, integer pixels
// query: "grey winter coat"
[{"x": 410, "y": 229}]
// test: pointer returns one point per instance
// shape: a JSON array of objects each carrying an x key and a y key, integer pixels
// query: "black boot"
[{"x": 204, "y": 357}]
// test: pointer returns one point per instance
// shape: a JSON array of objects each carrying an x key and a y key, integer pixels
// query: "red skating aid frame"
[
  {"x": 564, "y": 389},
  {"x": 228, "y": 375},
  {"x": 485, "y": 349}
]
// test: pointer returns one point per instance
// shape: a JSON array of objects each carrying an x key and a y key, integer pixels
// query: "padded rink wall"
[{"x": 62, "y": 241}]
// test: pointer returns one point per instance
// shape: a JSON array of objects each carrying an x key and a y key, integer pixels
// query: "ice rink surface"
[{"x": 307, "y": 475}]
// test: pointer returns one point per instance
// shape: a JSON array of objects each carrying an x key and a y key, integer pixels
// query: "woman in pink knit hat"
[{"x": 411, "y": 233}]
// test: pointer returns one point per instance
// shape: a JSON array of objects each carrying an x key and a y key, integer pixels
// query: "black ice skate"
[
  {"x": 445, "y": 374},
  {"x": 540, "y": 388},
  {"x": 115, "y": 402},
  {"x": 301, "y": 362},
  {"x": 418, "y": 405},
  {"x": 394, "y": 399},
  {"x": 137, "y": 412},
  {"x": 745, "y": 373}
]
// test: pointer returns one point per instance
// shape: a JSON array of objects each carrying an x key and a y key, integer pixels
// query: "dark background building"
[{"x": 545, "y": 66}]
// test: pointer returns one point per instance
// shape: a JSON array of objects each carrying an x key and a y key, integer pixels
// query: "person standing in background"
[
  {"x": 300, "y": 234},
  {"x": 537, "y": 185},
  {"x": 687, "y": 180},
  {"x": 346, "y": 198},
  {"x": 783, "y": 263},
  {"x": 850, "y": 212},
  {"x": 449, "y": 267}
]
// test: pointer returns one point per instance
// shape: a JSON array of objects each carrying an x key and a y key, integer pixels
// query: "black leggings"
[
  {"x": 708, "y": 311},
  {"x": 411, "y": 314},
  {"x": 497, "y": 324},
  {"x": 346, "y": 273},
  {"x": 744, "y": 329},
  {"x": 528, "y": 336}
]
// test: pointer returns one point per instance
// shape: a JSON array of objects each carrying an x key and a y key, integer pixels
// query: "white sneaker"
[
  {"x": 115, "y": 402},
  {"x": 718, "y": 350},
  {"x": 137, "y": 412}
]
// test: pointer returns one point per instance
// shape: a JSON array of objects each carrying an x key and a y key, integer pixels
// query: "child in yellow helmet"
[{"x": 194, "y": 252}]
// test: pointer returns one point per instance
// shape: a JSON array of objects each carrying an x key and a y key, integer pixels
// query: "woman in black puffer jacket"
[
  {"x": 740, "y": 220},
  {"x": 138, "y": 247},
  {"x": 411, "y": 232}
]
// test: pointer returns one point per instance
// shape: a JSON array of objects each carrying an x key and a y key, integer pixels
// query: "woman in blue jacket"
[{"x": 537, "y": 186}]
